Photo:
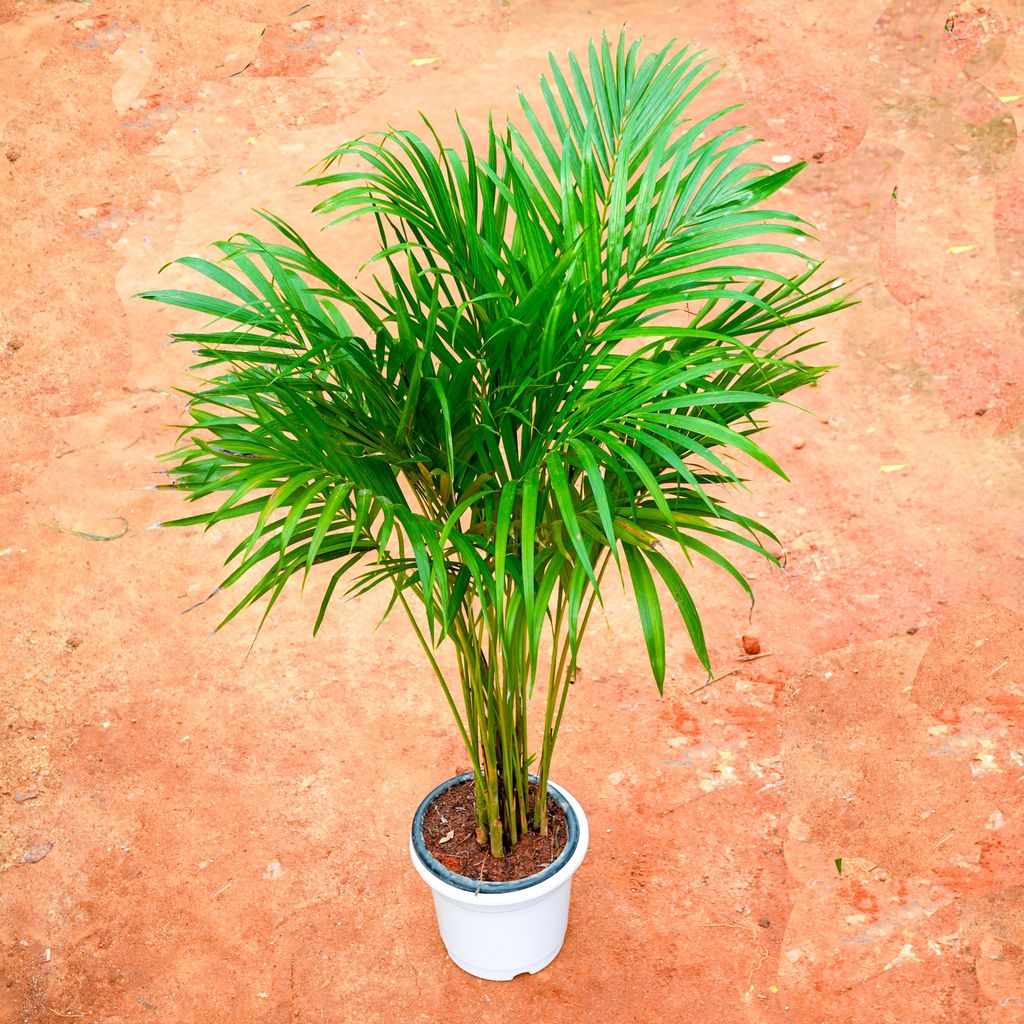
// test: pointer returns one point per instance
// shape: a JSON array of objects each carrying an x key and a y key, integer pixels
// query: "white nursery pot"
[{"x": 497, "y": 930}]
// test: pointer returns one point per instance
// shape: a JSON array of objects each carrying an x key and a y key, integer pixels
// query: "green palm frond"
[{"x": 570, "y": 338}]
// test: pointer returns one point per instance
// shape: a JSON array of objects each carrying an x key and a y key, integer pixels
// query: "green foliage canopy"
[{"x": 567, "y": 346}]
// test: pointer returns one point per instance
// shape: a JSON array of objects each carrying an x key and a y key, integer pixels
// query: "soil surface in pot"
[{"x": 449, "y": 831}]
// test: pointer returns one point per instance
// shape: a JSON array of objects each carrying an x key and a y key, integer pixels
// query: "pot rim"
[{"x": 441, "y": 878}]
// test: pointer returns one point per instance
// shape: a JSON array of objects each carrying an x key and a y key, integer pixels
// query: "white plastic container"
[{"x": 518, "y": 929}]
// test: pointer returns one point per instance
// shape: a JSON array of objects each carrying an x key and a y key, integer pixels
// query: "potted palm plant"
[{"x": 565, "y": 348}]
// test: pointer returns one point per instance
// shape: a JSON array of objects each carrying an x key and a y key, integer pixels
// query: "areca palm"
[{"x": 568, "y": 343}]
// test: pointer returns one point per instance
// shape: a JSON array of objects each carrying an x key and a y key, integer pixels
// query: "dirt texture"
[
  {"x": 196, "y": 832},
  {"x": 449, "y": 832}
]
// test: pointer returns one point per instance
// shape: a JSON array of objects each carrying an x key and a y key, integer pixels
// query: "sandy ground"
[{"x": 228, "y": 832}]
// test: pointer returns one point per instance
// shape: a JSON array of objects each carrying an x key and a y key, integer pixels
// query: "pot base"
[{"x": 489, "y": 974}]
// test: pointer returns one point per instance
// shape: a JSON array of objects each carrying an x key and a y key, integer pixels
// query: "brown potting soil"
[{"x": 449, "y": 831}]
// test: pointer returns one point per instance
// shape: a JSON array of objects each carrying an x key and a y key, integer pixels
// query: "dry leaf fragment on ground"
[{"x": 92, "y": 536}]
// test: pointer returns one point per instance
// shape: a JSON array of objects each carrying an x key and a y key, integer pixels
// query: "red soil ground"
[{"x": 228, "y": 832}]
